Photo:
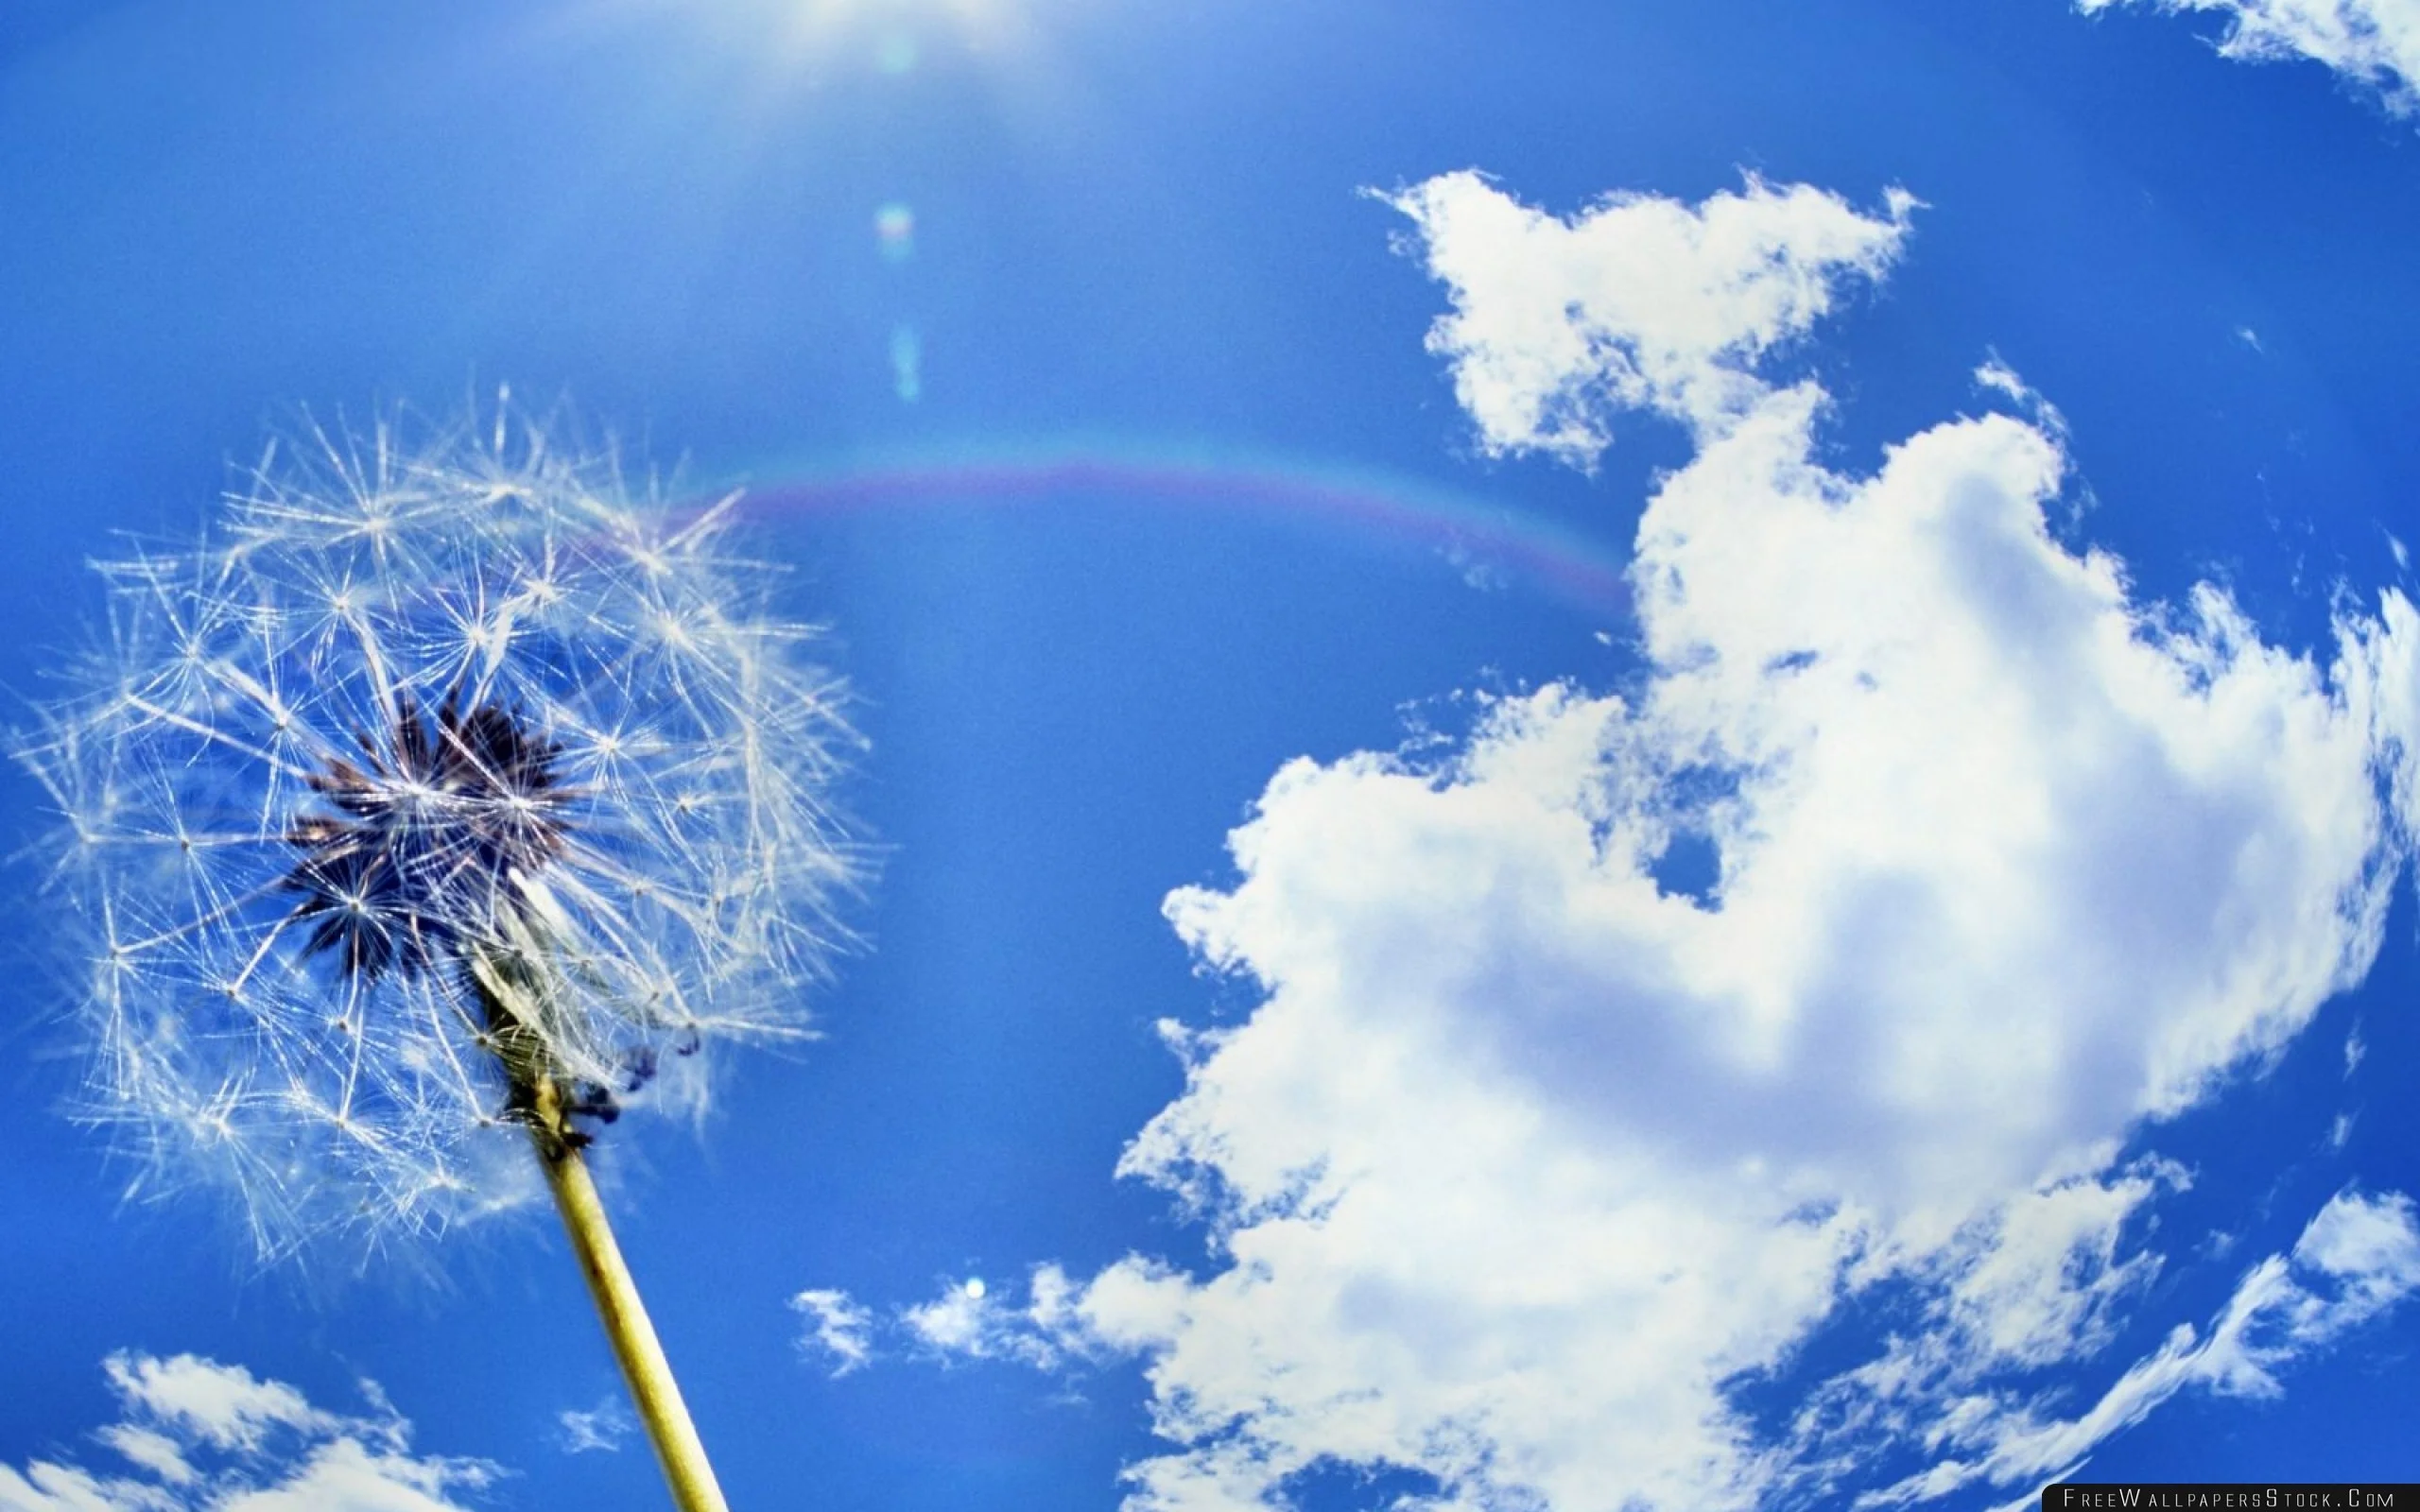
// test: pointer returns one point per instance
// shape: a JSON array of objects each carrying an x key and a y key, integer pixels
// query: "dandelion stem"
[
  {"x": 511, "y": 989},
  {"x": 678, "y": 1447}
]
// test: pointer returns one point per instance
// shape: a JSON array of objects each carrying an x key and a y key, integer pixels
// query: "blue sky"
[{"x": 1651, "y": 754}]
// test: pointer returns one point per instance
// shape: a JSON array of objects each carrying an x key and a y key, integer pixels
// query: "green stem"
[{"x": 537, "y": 1099}]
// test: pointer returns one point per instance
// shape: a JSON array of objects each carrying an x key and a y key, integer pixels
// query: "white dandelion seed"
[{"x": 446, "y": 796}]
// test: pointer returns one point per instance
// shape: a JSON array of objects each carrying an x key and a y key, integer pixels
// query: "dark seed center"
[{"x": 425, "y": 836}]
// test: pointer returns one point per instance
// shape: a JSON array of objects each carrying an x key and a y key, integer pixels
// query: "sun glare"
[
  {"x": 816, "y": 37},
  {"x": 891, "y": 34}
]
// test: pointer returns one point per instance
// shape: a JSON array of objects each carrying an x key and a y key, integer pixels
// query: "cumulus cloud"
[
  {"x": 1527, "y": 1171},
  {"x": 194, "y": 1434},
  {"x": 2375, "y": 44},
  {"x": 1639, "y": 303}
]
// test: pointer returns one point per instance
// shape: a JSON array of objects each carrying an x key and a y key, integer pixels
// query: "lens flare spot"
[
  {"x": 906, "y": 363},
  {"x": 894, "y": 231},
  {"x": 896, "y": 53}
]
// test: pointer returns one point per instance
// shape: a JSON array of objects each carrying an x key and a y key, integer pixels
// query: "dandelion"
[{"x": 446, "y": 799}]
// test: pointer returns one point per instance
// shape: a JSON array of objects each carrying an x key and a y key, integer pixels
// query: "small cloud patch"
[
  {"x": 195, "y": 1434},
  {"x": 2373, "y": 45},
  {"x": 601, "y": 1427},
  {"x": 1637, "y": 303},
  {"x": 838, "y": 1330}
]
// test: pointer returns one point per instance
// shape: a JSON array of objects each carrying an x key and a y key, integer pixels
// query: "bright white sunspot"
[{"x": 889, "y": 36}]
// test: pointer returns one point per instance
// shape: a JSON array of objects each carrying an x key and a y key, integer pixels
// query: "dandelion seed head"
[{"x": 410, "y": 701}]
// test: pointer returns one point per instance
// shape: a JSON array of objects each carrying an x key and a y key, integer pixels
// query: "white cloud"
[
  {"x": 222, "y": 1406},
  {"x": 2358, "y": 1257},
  {"x": 971, "y": 1320},
  {"x": 2375, "y": 43},
  {"x": 837, "y": 1328},
  {"x": 1639, "y": 303},
  {"x": 601, "y": 1428},
  {"x": 202, "y": 1435},
  {"x": 1997, "y": 377},
  {"x": 2040, "y": 1285},
  {"x": 2371, "y": 1247},
  {"x": 1524, "y": 1170},
  {"x": 964, "y": 1319}
]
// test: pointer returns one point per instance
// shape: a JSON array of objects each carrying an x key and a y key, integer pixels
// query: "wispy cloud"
[
  {"x": 194, "y": 1434},
  {"x": 1525, "y": 1169},
  {"x": 967, "y": 1319},
  {"x": 599, "y": 1428},
  {"x": 970, "y": 1319},
  {"x": 2359, "y": 1255},
  {"x": 838, "y": 1329},
  {"x": 2373, "y": 44}
]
